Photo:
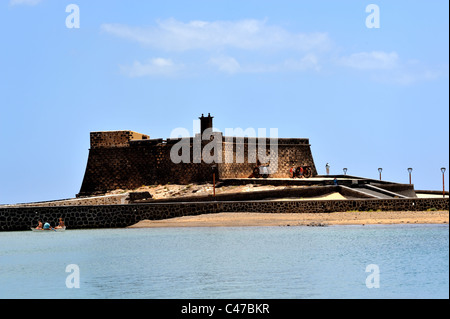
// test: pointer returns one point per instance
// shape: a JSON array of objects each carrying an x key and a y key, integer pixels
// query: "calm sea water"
[{"x": 241, "y": 262}]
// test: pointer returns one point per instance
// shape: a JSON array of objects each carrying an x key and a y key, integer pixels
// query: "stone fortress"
[{"x": 127, "y": 160}]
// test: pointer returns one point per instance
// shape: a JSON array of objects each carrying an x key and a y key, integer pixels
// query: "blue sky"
[{"x": 365, "y": 97}]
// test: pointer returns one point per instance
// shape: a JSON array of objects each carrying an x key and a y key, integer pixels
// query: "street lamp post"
[
  {"x": 345, "y": 171},
  {"x": 214, "y": 170},
  {"x": 379, "y": 171},
  {"x": 410, "y": 171},
  {"x": 443, "y": 180}
]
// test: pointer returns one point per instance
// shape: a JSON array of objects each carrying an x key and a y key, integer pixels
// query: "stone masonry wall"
[
  {"x": 144, "y": 162},
  {"x": 120, "y": 160},
  {"x": 113, "y": 216},
  {"x": 85, "y": 201},
  {"x": 291, "y": 153}
]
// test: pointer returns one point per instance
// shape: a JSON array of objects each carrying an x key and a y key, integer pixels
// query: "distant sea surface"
[{"x": 397, "y": 261}]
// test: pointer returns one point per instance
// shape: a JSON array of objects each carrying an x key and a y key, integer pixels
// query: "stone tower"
[{"x": 206, "y": 123}]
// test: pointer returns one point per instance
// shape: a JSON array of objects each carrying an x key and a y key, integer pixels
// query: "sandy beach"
[{"x": 302, "y": 219}]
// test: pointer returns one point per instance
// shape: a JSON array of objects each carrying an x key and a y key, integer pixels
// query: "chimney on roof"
[{"x": 206, "y": 123}]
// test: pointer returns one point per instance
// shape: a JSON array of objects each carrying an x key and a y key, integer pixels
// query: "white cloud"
[
  {"x": 308, "y": 62},
  {"x": 371, "y": 60},
  {"x": 389, "y": 68},
  {"x": 255, "y": 46},
  {"x": 230, "y": 65},
  {"x": 219, "y": 41},
  {"x": 153, "y": 67},
  {"x": 250, "y": 34},
  {"x": 226, "y": 64},
  {"x": 24, "y": 2}
]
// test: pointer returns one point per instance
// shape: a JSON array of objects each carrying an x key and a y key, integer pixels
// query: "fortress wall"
[
  {"x": 128, "y": 160},
  {"x": 294, "y": 155},
  {"x": 143, "y": 162},
  {"x": 113, "y": 216},
  {"x": 230, "y": 168},
  {"x": 115, "y": 168},
  {"x": 291, "y": 152}
]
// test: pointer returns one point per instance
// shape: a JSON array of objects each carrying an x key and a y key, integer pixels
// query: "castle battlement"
[
  {"x": 127, "y": 138},
  {"x": 115, "y": 138}
]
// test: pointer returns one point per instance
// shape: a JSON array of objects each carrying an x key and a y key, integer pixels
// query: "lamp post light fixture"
[
  {"x": 345, "y": 171},
  {"x": 379, "y": 171},
  {"x": 443, "y": 169},
  {"x": 214, "y": 171},
  {"x": 410, "y": 171}
]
